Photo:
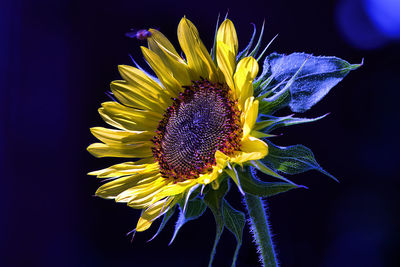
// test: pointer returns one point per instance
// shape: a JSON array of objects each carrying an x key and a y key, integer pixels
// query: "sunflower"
[{"x": 185, "y": 128}]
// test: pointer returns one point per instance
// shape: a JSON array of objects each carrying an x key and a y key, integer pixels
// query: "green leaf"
[
  {"x": 213, "y": 199},
  {"x": 194, "y": 209},
  {"x": 292, "y": 159},
  {"x": 234, "y": 221},
  {"x": 282, "y": 98},
  {"x": 166, "y": 218},
  {"x": 315, "y": 80},
  {"x": 254, "y": 186}
]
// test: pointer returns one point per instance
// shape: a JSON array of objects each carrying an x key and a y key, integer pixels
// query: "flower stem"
[{"x": 261, "y": 231}]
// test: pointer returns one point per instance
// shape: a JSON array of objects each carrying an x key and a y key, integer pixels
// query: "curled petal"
[{"x": 252, "y": 149}]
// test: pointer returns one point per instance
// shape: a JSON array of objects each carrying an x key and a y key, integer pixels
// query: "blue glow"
[
  {"x": 385, "y": 15},
  {"x": 356, "y": 26}
]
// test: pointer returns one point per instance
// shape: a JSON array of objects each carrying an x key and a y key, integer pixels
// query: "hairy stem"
[{"x": 260, "y": 229}]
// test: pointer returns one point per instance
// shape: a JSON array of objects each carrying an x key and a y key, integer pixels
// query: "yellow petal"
[
  {"x": 112, "y": 136},
  {"x": 226, "y": 62},
  {"x": 227, "y": 35},
  {"x": 140, "y": 80},
  {"x": 157, "y": 40},
  {"x": 246, "y": 72},
  {"x": 205, "y": 178},
  {"x": 112, "y": 189},
  {"x": 221, "y": 162},
  {"x": 251, "y": 149},
  {"x": 130, "y": 96},
  {"x": 159, "y": 44},
  {"x": 162, "y": 71},
  {"x": 198, "y": 58},
  {"x": 175, "y": 188},
  {"x": 143, "y": 201},
  {"x": 249, "y": 116},
  {"x": 130, "y": 119},
  {"x": 141, "y": 191},
  {"x": 127, "y": 168},
  {"x": 227, "y": 48},
  {"x": 122, "y": 151},
  {"x": 143, "y": 84}
]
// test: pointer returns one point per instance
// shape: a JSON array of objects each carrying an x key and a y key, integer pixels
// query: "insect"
[{"x": 139, "y": 34}]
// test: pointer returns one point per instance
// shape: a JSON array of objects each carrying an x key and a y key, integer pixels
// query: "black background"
[{"x": 57, "y": 60}]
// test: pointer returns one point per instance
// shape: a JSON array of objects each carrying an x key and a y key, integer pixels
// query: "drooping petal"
[
  {"x": 198, "y": 58},
  {"x": 159, "y": 44},
  {"x": 153, "y": 212},
  {"x": 112, "y": 189},
  {"x": 251, "y": 149},
  {"x": 246, "y": 72},
  {"x": 142, "y": 201},
  {"x": 141, "y": 191},
  {"x": 175, "y": 188}
]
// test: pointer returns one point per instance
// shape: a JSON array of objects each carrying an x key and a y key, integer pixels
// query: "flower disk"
[{"x": 203, "y": 119}]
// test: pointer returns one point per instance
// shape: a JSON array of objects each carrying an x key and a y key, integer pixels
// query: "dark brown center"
[{"x": 203, "y": 119}]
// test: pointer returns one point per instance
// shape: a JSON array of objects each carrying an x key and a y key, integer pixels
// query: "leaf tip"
[
  {"x": 356, "y": 66},
  {"x": 302, "y": 186}
]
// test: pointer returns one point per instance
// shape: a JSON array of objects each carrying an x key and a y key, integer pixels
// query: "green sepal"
[
  {"x": 254, "y": 186},
  {"x": 261, "y": 84},
  {"x": 260, "y": 135},
  {"x": 260, "y": 125},
  {"x": 234, "y": 220},
  {"x": 165, "y": 219},
  {"x": 271, "y": 122},
  {"x": 276, "y": 102},
  {"x": 245, "y": 51},
  {"x": 214, "y": 48},
  {"x": 213, "y": 200},
  {"x": 263, "y": 80},
  {"x": 231, "y": 171},
  {"x": 194, "y": 209},
  {"x": 195, "y": 193},
  {"x": 257, "y": 47},
  {"x": 265, "y": 49},
  {"x": 292, "y": 159},
  {"x": 266, "y": 170}
]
